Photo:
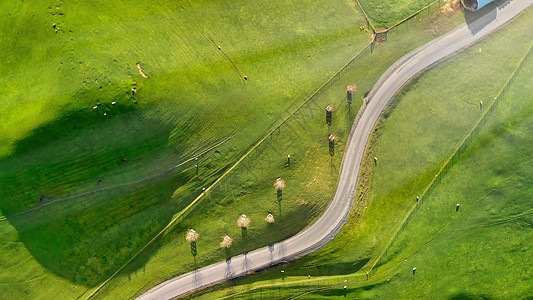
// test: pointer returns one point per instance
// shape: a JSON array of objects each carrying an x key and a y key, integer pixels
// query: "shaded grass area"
[
  {"x": 427, "y": 119},
  {"x": 53, "y": 144}
]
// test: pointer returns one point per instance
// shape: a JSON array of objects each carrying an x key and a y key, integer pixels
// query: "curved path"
[{"x": 330, "y": 223}]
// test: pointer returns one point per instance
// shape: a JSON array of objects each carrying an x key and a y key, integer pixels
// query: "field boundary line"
[
  {"x": 293, "y": 282},
  {"x": 456, "y": 152},
  {"x": 414, "y": 14},
  {"x": 365, "y": 15}
]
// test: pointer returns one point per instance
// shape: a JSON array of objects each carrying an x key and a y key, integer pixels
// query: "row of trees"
[{"x": 243, "y": 222}]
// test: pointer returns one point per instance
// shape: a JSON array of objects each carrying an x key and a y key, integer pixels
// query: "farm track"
[
  {"x": 214, "y": 43},
  {"x": 330, "y": 223}
]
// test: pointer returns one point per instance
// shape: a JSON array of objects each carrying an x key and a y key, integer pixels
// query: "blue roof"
[{"x": 481, "y": 3}]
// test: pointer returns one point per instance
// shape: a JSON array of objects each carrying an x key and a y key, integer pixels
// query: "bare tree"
[
  {"x": 279, "y": 184},
  {"x": 270, "y": 219},
  {"x": 226, "y": 241},
  {"x": 243, "y": 221},
  {"x": 191, "y": 237}
]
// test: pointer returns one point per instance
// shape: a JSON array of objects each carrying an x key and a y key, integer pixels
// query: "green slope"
[{"x": 54, "y": 145}]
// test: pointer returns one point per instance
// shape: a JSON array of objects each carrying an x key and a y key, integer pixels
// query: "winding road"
[{"x": 330, "y": 223}]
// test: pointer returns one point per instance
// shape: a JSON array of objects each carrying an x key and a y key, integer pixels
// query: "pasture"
[
  {"x": 105, "y": 106},
  {"x": 481, "y": 249}
]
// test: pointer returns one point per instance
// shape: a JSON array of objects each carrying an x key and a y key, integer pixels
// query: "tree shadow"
[
  {"x": 229, "y": 269},
  {"x": 85, "y": 239},
  {"x": 194, "y": 251},
  {"x": 244, "y": 234}
]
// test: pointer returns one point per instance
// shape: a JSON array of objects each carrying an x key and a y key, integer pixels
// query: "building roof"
[{"x": 475, "y": 4}]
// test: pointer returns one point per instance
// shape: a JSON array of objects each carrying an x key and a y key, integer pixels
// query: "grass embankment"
[
  {"x": 482, "y": 250},
  {"x": 384, "y": 14},
  {"x": 54, "y": 144},
  {"x": 413, "y": 139},
  {"x": 309, "y": 179}
]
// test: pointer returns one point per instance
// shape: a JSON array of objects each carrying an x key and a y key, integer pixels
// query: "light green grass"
[
  {"x": 54, "y": 143},
  {"x": 484, "y": 249},
  {"x": 384, "y": 14},
  {"x": 429, "y": 117}
]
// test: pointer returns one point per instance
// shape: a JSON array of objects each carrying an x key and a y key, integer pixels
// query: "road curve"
[{"x": 330, "y": 223}]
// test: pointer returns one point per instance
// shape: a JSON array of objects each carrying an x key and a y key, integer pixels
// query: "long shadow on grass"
[{"x": 87, "y": 239}]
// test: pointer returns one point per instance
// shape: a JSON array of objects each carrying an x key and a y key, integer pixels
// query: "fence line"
[
  {"x": 416, "y": 14},
  {"x": 458, "y": 150},
  {"x": 307, "y": 286},
  {"x": 365, "y": 15}
]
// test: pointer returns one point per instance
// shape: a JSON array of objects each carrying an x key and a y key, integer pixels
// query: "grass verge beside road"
[{"x": 423, "y": 125}]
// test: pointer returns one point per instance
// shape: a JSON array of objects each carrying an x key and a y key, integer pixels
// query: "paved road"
[{"x": 336, "y": 214}]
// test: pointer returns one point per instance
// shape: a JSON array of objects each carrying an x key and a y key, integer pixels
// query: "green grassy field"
[
  {"x": 483, "y": 250},
  {"x": 55, "y": 145},
  {"x": 457, "y": 254},
  {"x": 246, "y": 185},
  {"x": 384, "y": 14}
]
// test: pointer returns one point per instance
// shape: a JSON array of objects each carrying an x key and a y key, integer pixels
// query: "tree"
[
  {"x": 243, "y": 221},
  {"x": 329, "y": 111},
  {"x": 226, "y": 241},
  {"x": 279, "y": 184},
  {"x": 350, "y": 89},
  {"x": 332, "y": 139},
  {"x": 270, "y": 219},
  {"x": 191, "y": 237}
]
